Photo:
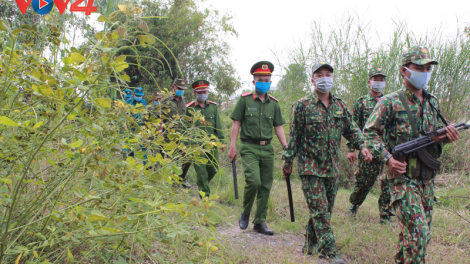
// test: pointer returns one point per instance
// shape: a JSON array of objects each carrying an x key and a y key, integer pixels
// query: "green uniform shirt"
[
  {"x": 257, "y": 118},
  {"x": 212, "y": 124},
  {"x": 315, "y": 135},
  {"x": 362, "y": 110},
  {"x": 174, "y": 107}
]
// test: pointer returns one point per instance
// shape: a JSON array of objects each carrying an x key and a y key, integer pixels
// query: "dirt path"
[{"x": 253, "y": 247}]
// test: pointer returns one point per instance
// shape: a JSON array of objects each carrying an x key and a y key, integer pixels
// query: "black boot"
[
  {"x": 263, "y": 229},
  {"x": 243, "y": 221}
]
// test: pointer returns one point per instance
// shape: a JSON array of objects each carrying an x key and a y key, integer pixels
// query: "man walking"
[
  {"x": 367, "y": 173},
  {"x": 403, "y": 115},
  {"x": 317, "y": 123},
  {"x": 212, "y": 125},
  {"x": 257, "y": 113}
]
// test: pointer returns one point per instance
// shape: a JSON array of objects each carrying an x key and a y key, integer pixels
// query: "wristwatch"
[{"x": 285, "y": 147}]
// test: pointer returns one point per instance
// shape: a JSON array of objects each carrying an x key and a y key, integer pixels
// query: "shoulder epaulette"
[
  {"x": 274, "y": 98},
  {"x": 246, "y": 94},
  {"x": 212, "y": 102},
  {"x": 188, "y": 105}
]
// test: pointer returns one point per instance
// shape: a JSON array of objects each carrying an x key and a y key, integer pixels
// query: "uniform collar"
[
  {"x": 317, "y": 99},
  {"x": 196, "y": 104},
  {"x": 374, "y": 98},
  {"x": 413, "y": 97},
  {"x": 255, "y": 96}
]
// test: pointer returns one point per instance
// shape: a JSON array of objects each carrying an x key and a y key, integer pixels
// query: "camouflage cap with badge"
[
  {"x": 377, "y": 70},
  {"x": 200, "y": 85},
  {"x": 322, "y": 64},
  {"x": 417, "y": 55},
  {"x": 262, "y": 67},
  {"x": 179, "y": 83}
]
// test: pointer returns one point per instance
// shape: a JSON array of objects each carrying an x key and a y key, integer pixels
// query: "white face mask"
[
  {"x": 324, "y": 84},
  {"x": 418, "y": 79},
  {"x": 377, "y": 87}
]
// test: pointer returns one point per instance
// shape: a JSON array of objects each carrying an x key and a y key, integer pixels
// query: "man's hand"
[
  {"x": 351, "y": 156},
  {"x": 452, "y": 133},
  {"x": 232, "y": 153},
  {"x": 286, "y": 173},
  {"x": 223, "y": 147},
  {"x": 396, "y": 166},
  {"x": 367, "y": 155}
]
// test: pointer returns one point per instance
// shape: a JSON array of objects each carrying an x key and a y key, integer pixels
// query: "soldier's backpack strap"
[{"x": 414, "y": 129}]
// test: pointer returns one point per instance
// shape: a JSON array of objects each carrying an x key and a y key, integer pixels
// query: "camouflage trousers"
[
  {"x": 320, "y": 194},
  {"x": 412, "y": 203},
  {"x": 366, "y": 175}
]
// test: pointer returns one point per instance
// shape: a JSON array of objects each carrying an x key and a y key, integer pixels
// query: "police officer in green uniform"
[
  {"x": 212, "y": 125},
  {"x": 257, "y": 113},
  {"x": 174, "y": 107}
]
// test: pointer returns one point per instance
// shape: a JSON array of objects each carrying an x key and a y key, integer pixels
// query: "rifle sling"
[{"x": 414, "y": 129}]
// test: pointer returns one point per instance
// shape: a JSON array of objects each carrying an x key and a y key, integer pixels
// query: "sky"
[{"x": 269, "y": 27}]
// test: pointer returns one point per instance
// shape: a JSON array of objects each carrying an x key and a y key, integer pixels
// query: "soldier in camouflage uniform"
[
  {"x": 317, "y": 123},
  {"x": 212, "y": 125},
  {"x": 367, "y": 173},
  {"x": 403, "y": 115}
]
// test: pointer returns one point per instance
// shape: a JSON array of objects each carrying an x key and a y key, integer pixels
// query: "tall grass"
[{"x": 352, "y": 49}]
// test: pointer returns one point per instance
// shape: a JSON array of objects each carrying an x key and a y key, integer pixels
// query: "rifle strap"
[
  {"x": 414, "y": 129},
  {"x": 438, "y": 113}
]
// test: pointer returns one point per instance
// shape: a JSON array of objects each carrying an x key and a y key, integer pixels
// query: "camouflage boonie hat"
[
  {"x": 417, "y": 55},
  {"x": 321, "y": 64},
  {"x": 180, "y": 83},
  {"x": 377, "y": 70}
]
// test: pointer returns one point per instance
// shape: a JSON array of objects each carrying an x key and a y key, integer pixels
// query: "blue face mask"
[
  {"x": 419, "y": 79},
  {"x": 129, "y": 101},
  {"x": 156, "y": 103},
  {"x": 138, "y": 98},
  {"x": 262, "y": 87},
  {"x": 179, "y": 93}
]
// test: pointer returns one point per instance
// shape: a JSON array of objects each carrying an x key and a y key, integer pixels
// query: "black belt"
[{"x": 257, "y": 142}]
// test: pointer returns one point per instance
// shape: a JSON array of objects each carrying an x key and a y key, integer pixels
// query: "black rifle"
[
  {"x": 418, "y": 147},
  {"x": 291, "y": 204},
  {"x": 235, "y": 185}
]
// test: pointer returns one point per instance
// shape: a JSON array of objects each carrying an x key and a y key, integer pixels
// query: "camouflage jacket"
[
  {"x": 362, "y": 110},
  {"x": 389, "y": 120},
  {"x": 315, "y": 135}
]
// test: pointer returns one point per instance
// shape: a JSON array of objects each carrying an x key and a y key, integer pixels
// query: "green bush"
[{"x": 66, "y": 193}]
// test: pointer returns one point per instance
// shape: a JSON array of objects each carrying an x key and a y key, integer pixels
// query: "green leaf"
[
  {"x": 7, "y": 121},
  {"x": 70, "y": 256},
  {"x": 77, "y": 57},
  {"x": 103, "y": 102},
  {"x": 125, "y": 77},
  {"x": 76, "y": 144},
  {"x": 102, "y": 19},
  {"x": 121, "y": 66},
  {"x": 5, "y": 180},
  {"x": 4, "y": 26},
  {"x": 96, "y": 216},
  {"x": 46, "y": 90},
  {"x": 38, "y": 124}
]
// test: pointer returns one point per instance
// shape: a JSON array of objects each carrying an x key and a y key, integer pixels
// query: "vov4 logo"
[{"x": 43, "y": 7}]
